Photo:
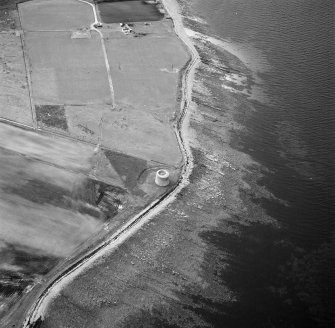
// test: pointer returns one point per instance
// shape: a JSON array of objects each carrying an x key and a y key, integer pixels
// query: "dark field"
[
  {"x": 51, "y": 116},
  {"x": 128, "y": 11}
]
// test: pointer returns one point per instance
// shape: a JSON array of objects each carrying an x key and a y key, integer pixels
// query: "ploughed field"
[
  {"x": 59, "y": 192},
  {"x": 128, "y": 11},
  {"x": 48, "y": 205}
]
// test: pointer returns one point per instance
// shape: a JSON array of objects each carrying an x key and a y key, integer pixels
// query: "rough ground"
[{"x": 14, "y": 91}]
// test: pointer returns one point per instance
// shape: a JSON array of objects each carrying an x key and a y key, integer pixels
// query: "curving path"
[
  {"x": 40, "y": 306},
  {"x": 103, "y": 49}
]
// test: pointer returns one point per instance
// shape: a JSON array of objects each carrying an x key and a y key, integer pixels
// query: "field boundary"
[{"x": 28, "y": 70}]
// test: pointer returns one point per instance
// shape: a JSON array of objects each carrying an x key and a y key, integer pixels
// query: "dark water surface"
[
  {"x": 293, "y": 129},
  {"x": 289, "y": 47}
]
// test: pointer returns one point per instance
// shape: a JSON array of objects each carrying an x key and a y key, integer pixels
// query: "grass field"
[
  {"x": 65, "y": 70},
  {"x": 145, "y": 83},
  {"x": 131, "y": 130},
  {"x": 148, "y": 74},
  {"x": 46, "y": 15}
]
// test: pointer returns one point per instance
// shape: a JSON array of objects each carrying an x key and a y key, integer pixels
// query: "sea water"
[{"x": 289, "y": 47}]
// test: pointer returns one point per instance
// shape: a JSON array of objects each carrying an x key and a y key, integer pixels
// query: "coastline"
[{"x": 216, "y": 255}]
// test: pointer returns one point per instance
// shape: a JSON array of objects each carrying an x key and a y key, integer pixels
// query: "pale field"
[
  {"x": 65, "y": 70},
  {"x": 131, "y": 130},
  {"x": 36, "y": 174},
  {"x": 14, "y": 92},
  {"x": 57, "y": 151},
  {"x": 49, "y": 15},
  {"x": 44, "y": 229},
  {"x": 145, "y": 82},
  {"x": 148, "y": 74}
]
